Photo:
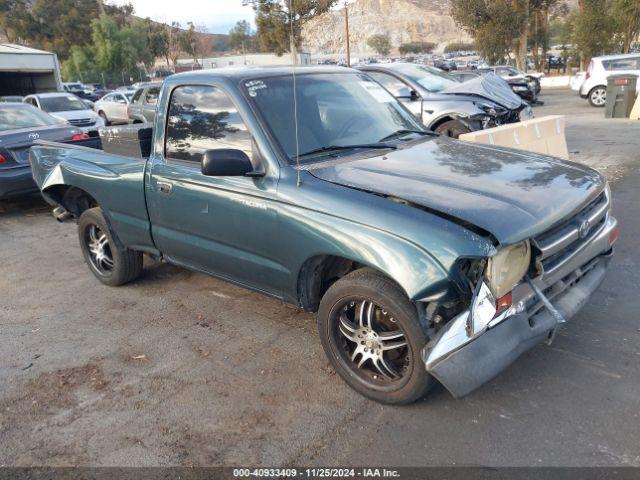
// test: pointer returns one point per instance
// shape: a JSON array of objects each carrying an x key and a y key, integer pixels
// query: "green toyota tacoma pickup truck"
[{"x": 424, "y": 257}]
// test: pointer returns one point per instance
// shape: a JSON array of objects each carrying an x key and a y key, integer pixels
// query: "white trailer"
[{"x": 25, "y": 70}]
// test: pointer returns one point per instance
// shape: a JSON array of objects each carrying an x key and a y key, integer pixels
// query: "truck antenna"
[{"x": 295, "y": 98}]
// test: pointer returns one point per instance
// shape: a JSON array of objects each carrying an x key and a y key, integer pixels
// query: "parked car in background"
[
  {"x": 594, "y": 87},
  {"x": 424, "y": 257},
  {"x": 67, "y": 107},
  {"x": 11, "y": 98},
  {"x": 82, "y": 91},
  {"x": 521, "y": 86},
  {"x": 514, "y": 74},
  {"x": 445, "y": 65},
  {"x": 112, "y": 108},
  {"x": 142, "y": 108},
  {"x": 20, "y": 126},
  {"x": 445, "y": 104}
]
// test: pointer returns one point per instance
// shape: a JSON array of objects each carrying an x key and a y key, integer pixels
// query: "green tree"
[
  {"x": 626, "y": 14},
  {"x": 495, "y": 25},
  {"x": 541, "y": 12},
  {"x": 459, "y": 47},
  {"x": 241, "y": 36},
  {"x": 276, "y": 22},
  {"x": 416, "y": 47},
  {"x": 380, "y": 43},
  {"x": 188, "y": 41},
  {"x": 158, "y": 40},
  {"x": 593, "y": 30},
  {"x": 79, "y": 66}
]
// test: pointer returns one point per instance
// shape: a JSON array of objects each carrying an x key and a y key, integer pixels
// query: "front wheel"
[
  {"x": 111, "y": 264},
  {"x": 452, "y": 128},
  {"x": 372, "y": 336},
  {"x": 598, "y": 97}
]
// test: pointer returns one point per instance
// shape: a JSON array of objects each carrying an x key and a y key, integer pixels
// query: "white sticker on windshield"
[
  {"x": 253, "y": 86},
  {"x": 377, "y": 92}
]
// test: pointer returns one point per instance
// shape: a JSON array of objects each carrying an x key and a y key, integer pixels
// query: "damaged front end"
[{"x": 504, "y": 317}]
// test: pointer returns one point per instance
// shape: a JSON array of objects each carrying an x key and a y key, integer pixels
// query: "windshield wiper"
[
  {"x": 336, "y": 148},
  {"x": 403, "y": 132}
]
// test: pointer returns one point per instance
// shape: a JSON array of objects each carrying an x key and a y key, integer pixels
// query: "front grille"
[
  {"x": 561, "y": 243},
  {"x": 82, "y": 122},
  {"x": 534, "y": 305}
]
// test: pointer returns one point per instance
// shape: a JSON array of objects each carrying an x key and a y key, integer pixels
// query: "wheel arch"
[
  {"x": 442, "y": 119},
  {"x": 74, "y": 199},
  {"x": 318, "y": 272}
]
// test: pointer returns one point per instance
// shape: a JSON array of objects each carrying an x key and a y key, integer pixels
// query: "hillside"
[{"x": 403, "y": 20}]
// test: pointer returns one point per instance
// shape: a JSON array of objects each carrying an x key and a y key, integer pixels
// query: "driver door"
[{"x": 225, "y": 226}]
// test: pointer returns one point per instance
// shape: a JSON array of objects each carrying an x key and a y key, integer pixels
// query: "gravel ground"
[{"x": 182, "y": 369}]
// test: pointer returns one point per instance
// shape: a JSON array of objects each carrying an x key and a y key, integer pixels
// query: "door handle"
[{"x": 164, "y": 187}]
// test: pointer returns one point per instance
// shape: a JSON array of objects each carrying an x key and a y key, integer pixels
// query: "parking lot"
[{"x": 182, "y": 369}]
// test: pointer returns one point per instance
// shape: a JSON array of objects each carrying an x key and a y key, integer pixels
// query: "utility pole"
[
  {"x": 292, "y": 44},
  {"x": 346, "y": 22}
]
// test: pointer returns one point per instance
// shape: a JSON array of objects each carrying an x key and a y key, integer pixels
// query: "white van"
[{"x": 594, "y": 86}]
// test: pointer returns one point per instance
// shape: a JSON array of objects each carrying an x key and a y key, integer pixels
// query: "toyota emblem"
[{"x": 584, "y": 229}]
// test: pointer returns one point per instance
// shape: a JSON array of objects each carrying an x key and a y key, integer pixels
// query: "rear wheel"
[
  {"x": 104, "y": 117},
  {"x": 452, "y": 128},
  {"x": 598, "y": 96},
  {"x": 371, "y": 334},
  {"x": 111, "y": 264}
]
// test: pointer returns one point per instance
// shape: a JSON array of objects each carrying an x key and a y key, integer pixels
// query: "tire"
[
  {"x": 111, "y": 264},
  {"x": 598, "y": 96},
  {"x": 392, "y": 312},
  {"x": 452, "y": 128},
  {"x": 104, "y": 117}
]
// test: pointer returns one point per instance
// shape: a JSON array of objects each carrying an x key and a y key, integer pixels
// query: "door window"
[
  {"x": 137, "y": 96},
  {"x": 202, "y": 118},
  {"x": 151, "y": 98},
  {"x": 389, "y": 82}
]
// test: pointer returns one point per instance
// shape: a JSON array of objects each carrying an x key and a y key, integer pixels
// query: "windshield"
[
  {"x": 334, "y": 110},
  {"x": 14, "y": 117},
  {"x": 62, "y": 103},
  {"x": 432, "y": 79},
  {"x": 129, "y": 95}
]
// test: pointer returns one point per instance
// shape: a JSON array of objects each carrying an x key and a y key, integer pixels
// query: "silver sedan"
[{"x": 113, "y": 107}]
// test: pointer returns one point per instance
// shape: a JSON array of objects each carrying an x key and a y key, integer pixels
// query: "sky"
[{"x": 219, "y": 16}]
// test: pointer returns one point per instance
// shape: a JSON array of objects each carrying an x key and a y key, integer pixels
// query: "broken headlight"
[{"x": 507, "y": 267}]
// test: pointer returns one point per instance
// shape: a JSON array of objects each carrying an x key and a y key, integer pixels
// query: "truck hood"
[
  {"x": 490, "y": 87},
  {"x": 511, "y": 194}
]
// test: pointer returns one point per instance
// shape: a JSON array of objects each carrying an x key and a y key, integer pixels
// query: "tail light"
[
  {"x": 2, "y": 159},
  {"x": 589, "y": 70},
  {"x": 79, "y": 136}
]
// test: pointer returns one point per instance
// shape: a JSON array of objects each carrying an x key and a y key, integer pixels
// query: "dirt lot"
[{"x": 182, "y": 369}]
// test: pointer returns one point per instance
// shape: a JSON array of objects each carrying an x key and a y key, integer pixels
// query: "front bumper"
[
  {"x": 462, "y": 363},
  {"x": 16, "y": 181}
]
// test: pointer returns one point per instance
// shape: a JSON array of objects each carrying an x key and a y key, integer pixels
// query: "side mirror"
[
  {"x": 407, "y": 93},
  {"x": 226, "y": 162}
]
